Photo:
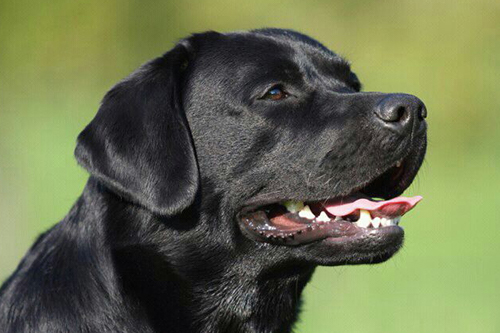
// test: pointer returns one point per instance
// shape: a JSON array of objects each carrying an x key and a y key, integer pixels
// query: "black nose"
[{"x": 400, "y": 112}]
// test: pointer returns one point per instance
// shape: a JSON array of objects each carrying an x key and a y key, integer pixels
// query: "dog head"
[{"x": 248, "y": 129}]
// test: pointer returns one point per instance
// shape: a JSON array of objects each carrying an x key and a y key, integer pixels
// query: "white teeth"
[
  {"x": 293, "y": 206},
  {"x": 323, "y": 217},
  {"x": 364, "y": 219},
  {"x": 388, "y": 222},
  {"x": 398, "y": 164},
  {"x": 306, "y": 213}
]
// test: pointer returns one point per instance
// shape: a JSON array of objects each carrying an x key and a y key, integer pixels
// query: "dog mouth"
[{"x": 372, "y": 210}]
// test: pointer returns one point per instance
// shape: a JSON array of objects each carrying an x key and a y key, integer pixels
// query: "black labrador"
[{"x": 205, "y": 167}]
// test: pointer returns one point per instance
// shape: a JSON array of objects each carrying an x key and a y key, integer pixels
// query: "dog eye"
[{"x": 276, "y": 93}]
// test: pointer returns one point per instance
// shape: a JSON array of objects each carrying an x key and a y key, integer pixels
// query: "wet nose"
[{"x": 400, "y": 112}]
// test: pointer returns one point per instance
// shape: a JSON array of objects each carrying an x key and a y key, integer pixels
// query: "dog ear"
[{"x": 139, "y": 144}]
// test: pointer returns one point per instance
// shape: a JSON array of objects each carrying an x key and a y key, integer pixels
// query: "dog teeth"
[
  {"x": 294, "y": 206},
  {"x": 323, "y": 217},
  {"x": 398, "y": 164},
  {"x": 365, "y": 220},
  {"x": 306, "y": 213}
]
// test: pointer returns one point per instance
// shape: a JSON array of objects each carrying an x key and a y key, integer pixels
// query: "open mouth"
[{"x": 364, "y": 211}]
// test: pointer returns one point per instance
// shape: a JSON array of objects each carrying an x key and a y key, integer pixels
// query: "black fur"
[{"x": 176, "y": 150}]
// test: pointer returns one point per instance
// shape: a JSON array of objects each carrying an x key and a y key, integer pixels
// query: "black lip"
[
  {"x": 367, "y": 232},
  {"x": 312, "y": 232}
]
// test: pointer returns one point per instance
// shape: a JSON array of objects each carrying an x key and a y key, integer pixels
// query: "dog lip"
[
  {"x": 370, "y": 246},
  {"x": 381, "y": 235},
  {"x": 371, "y": 232},
  {"x": 300, "y": 233},
  {"x": 303, "y": 233}
]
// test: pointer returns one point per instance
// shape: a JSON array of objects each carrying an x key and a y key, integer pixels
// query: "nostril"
[
  {"x": 400, "y": 114},
  {"x": 393, "y": 114}
]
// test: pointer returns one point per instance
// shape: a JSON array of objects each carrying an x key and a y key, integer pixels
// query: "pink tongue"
[{"x": 390, "y": 208}]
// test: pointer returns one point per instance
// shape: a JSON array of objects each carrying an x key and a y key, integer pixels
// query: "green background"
[{"x": 58, "y": 58}]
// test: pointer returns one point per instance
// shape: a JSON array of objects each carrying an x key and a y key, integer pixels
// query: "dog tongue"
[{"x": 389, "y": 208}]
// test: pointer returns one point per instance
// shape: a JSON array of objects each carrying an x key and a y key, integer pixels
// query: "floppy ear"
[{"x": 139, "y": 143}]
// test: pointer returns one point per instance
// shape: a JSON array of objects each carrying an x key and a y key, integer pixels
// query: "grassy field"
[{"x": 57, "y": 59}]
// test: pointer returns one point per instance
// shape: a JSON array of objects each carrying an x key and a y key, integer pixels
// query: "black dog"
[{"x": 201, "y": 163}]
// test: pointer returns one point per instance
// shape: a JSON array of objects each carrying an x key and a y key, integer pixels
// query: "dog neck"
[{"x": 182, "y": 286}]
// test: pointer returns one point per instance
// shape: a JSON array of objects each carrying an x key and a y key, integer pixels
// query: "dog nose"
[{"x": 399, "y": 112}]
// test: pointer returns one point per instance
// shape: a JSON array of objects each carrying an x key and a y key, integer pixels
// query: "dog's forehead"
[
  {"x": 269, "y": 52},
  {"x": 276, "y": 40}
]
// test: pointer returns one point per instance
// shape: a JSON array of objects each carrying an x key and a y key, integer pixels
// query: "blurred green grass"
[{"x": 58, "y": 58}]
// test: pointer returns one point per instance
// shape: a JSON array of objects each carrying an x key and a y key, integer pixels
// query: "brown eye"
[{"x": 275, "y": 94}]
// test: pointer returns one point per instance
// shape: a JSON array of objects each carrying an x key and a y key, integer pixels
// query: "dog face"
[{"x": 234, "y": 127}]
